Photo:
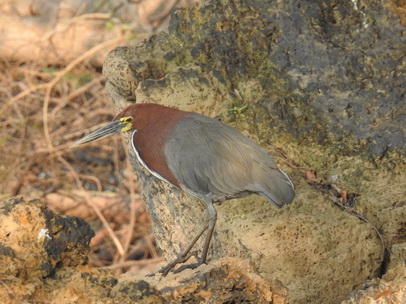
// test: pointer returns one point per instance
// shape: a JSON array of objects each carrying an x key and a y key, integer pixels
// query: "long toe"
[
  {"x": 181, "y": 259},
  {"x": 165, "y": 270},
  {"x": 188, "y": 266}
]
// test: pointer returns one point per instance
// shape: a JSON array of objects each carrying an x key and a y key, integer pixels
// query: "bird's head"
[{"x": 123, "y": 122}]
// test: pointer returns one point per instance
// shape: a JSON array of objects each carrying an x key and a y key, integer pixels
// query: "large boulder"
[{"x": 316, "y": 84}]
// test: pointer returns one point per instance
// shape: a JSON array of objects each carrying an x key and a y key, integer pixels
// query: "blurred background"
[{"x": 51, "y": 94}]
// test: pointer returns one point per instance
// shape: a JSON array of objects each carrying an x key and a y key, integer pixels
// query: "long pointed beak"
[{"x": 112, "y": 128}]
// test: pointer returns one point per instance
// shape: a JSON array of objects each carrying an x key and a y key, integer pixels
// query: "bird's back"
[{"x": 211, "y": 159}]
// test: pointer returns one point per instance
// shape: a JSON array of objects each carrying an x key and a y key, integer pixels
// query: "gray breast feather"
[{"x": 212, "y": 159}]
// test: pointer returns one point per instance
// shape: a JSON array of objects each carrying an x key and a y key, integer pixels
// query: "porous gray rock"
[{"x": 323, "y": 89}]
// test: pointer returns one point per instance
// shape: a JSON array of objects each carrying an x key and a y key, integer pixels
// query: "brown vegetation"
[
  {"x": 37, "y": 129},
  {"x": 45, "y": 107}
]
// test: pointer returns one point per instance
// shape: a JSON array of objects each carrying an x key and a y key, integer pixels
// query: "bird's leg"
[
  {"x": 212, "y": 219},
  {"x": 209, "y": 224},
  {"x": 183, "y": 256}
]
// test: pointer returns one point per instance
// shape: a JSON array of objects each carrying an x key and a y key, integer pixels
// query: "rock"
[
  {"x": 228, "y": 280},
  {"x": 390, "y": 289},
  {"x": 43, "y": 258},
  {"x": 397, "y": 256},
  {"x": 34, "y": 240},
  {"x": 314, "y": 77}
]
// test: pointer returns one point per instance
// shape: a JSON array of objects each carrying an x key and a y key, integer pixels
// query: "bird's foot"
[
  {"x": 188, "y": 266},
  {"x": 180, "y": 259}
]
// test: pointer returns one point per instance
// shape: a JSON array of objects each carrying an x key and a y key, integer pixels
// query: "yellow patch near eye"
[
  {"x": 127, "y": 127},
  {"x": 127, "y": 122}
]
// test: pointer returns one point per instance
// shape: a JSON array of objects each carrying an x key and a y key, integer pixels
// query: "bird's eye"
[{"x": 126, "y": 119}]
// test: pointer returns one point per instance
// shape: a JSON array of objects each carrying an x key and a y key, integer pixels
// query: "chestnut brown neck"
[{"x": 152, "y": 123}]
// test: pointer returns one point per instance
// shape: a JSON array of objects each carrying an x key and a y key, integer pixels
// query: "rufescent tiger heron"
[{"x": 202, "y": 156}]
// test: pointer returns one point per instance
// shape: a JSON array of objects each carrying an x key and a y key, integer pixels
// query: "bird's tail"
[{"x": 278, "y": 189}]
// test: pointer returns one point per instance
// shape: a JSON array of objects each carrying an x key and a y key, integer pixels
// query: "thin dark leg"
[
  {"x": 210, "y": 223},
  {"x": 212, "y": 219},
  {"x": 183, "y": 256}
]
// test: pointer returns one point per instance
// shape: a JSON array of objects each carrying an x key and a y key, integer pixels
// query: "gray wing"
[{"x": 211, "y": 158}]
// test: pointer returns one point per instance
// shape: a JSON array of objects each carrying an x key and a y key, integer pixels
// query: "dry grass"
[{"x": 43, "y": 110}]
